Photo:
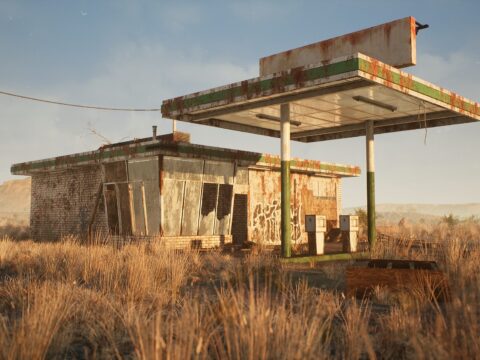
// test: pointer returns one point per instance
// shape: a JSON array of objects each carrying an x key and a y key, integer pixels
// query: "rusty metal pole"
[
  {"x": 372, "y": 233},
  {"x": 285, "y": 179}
]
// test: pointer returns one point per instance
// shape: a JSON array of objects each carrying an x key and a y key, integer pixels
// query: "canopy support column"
[
  {"x": 285, "y": 179},
  {"x": 372, "y": 233}
]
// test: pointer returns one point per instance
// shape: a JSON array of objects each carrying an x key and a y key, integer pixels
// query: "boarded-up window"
[
  {"x": 191, "y": 207},
  {"x": 239, "y": 220}
]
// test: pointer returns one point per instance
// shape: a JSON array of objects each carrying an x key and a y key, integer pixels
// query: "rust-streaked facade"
[{"x": 186, "y": 194}]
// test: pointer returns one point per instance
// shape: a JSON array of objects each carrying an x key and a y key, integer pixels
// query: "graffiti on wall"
[{"x": 267, "y": 218}]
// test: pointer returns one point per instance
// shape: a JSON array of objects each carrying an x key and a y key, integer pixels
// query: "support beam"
[
  {"x": 285, "y": 180},
  {"x": 372, "y": 233}
]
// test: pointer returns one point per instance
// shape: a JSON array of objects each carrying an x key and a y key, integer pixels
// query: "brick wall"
[
  {"x": 198, "y": 242},
  {"x": 63, "y": 201}
]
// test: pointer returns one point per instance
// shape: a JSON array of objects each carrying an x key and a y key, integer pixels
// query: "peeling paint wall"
[{"x": 312, "y": 195}]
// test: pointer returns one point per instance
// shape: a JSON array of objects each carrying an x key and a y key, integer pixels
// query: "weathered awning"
[{"x": 330, "y": 100}]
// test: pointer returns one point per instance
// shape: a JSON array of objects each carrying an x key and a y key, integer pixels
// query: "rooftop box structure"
[{"x": 185, "y": 194}]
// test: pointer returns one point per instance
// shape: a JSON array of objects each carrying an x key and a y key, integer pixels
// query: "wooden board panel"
[
  {"x": 191, "y": 207},
  {"x": 362, "y": 281},
  {"x": 138, "y": 216},
  {"x": 146, "y": 171},
  {"x": 152, "y": 206},
  {"x": 172, "y": 202},
  {"x": 393, "y": 43}
]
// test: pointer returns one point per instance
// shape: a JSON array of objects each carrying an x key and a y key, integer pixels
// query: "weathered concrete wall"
[
  {"x": 310, "y": 195},
  {"x": 63, "y": 202}
]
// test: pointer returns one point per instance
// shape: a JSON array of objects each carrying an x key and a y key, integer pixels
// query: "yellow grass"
[{"x": 67, "y": 300}]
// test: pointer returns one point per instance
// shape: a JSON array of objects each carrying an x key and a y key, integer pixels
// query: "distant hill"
[
  {"x": 425, "y": 212},
  {"x": 15, "y": 201}
]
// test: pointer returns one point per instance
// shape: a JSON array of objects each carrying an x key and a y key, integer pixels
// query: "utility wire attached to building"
[{"x": 75, "y": 105}]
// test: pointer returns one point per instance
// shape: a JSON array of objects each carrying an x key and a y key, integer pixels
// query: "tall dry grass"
[{"x": 67, "y": 300}]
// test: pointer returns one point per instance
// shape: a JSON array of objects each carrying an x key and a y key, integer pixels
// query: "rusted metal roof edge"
[
  {"x": 399, "y": 80},
  {"x": 260, "y": 87},
  {"x": 314, "y": 75},
  {"x": 154, "y": 148}
]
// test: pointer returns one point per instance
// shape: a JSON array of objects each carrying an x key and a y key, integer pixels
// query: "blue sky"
[{"x": 137, "y": 53}]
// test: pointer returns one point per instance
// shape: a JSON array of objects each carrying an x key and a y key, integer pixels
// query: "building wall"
[
  {"x": 62, "y": 203},
  {"x": 310, "y": 195},
  {"x": 195, "y": 200}
]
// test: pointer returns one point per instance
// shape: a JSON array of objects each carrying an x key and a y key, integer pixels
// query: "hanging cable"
[
  {"x": 421, "y": 106},
  {"x": 74, "y": 105}
]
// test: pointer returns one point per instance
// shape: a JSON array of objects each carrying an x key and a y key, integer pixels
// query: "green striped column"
[
  {"x": 285, "y": 181},
  {"x": 372, "y": 232}
]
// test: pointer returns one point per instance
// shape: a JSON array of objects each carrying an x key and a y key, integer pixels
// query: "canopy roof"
[{"x": 330, "y": 100}]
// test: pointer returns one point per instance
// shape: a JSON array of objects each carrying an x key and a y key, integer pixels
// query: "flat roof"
[
  {"x": 329, "y": 100},
  {"x": 148, "y": 147}
]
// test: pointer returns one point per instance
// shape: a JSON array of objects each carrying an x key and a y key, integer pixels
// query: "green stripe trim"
[
  {"x": 407, "y": 81},
  {"x": 256, "y": 88}
]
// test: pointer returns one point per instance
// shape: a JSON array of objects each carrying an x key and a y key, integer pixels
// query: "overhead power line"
[{"x": 74, "y": 105}]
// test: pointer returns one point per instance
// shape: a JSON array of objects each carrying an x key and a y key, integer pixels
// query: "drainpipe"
[
  {"x": 372, "y": 233},
  {"x": 285, "y": 179}
]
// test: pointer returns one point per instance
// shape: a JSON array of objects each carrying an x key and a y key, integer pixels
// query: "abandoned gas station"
[
  {"x": 339, "y": 88},
  {"x": 185, "y": 194},
  {"x": 344, "y": 87}
]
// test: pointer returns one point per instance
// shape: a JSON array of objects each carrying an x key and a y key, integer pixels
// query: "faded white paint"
[
  {"x": 285, "y": 131},
  {"x": 370, "y": 146},
  {"x": 393, "y": 43}
]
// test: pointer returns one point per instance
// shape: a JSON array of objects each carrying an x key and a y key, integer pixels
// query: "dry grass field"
[{"x": 67, "y": 300}]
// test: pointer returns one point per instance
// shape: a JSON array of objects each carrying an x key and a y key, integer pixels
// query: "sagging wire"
[
  {"x": 75, "y": 105},
  {"x": 421, "y": 106}
]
